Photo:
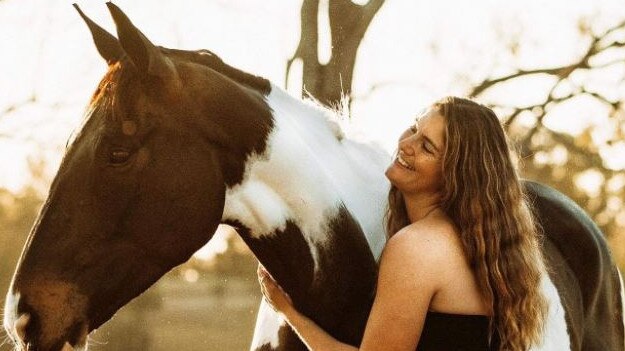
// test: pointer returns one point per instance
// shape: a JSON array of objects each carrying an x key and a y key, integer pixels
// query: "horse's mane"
[{"x": 338, "y": 115}]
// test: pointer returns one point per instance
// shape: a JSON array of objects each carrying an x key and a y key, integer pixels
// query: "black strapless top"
[{"x": 455, "y": 332}]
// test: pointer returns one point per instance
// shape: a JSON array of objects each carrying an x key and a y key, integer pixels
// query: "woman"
[{"x": 462, "y": 267}]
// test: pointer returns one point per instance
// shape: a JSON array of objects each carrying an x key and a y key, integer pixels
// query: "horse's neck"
[
  {"x": 303, "y": 207},
  {"x": 307, "y": 173}
]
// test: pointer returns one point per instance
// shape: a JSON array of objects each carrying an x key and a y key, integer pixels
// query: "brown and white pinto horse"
[{"x": 176, "y": 142}]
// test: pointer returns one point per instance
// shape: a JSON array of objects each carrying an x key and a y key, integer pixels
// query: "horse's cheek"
[{"x": 143, "y": 158}]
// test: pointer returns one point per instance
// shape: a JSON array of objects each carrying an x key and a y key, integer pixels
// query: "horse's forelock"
[{"x": 117, "y": 91}]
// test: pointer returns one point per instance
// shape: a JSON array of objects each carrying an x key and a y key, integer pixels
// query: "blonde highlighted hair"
[{"x": 483, "y": 196}]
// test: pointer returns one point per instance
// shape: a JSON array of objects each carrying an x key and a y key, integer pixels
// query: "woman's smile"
[{"x": 403, "y": 163}]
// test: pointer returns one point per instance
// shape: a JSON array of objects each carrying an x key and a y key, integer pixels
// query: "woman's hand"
[
  {"x": 311, "y": 334},
  {"x": 273, "y": 293}
]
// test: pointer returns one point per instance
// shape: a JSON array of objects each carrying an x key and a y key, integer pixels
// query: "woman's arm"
[{"x": 408, "y": 279}]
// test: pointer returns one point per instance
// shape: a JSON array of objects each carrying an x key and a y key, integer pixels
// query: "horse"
[{"x": 176, "y": 142}]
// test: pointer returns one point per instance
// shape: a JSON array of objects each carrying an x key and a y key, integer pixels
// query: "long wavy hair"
[{"x": 483, "y": 196}]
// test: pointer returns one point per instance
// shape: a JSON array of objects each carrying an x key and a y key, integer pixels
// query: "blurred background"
[{"x": 553, "y": 70}]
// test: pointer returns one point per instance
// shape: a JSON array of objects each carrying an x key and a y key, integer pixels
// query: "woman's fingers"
[
  {"x": 272, "y": 292},
  {"x": 267, "y": 288},
  {"x": 264, "y": 279}
]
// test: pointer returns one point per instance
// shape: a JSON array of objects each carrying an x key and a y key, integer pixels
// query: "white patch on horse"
[
  {"x": 258, "y": 206},
  {"x": 268, "y": 323},
  {"x": 304, "y": 176},
  {"x": 10, "y": 311},
  {"x": 556, "y": 336}
]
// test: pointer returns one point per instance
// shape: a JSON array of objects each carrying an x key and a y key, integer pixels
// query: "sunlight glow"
[
  {"x": 576, "y": 115},
  {"x": 191, "y": 275},
  {"x": 614, "y": 203},
  {"x": 616, "y": 183},
  {"x": 620, "y": 219},
  {"x": 614, "y": 155},
  {"x": 557, "y": 156},
  {"x": 12, "y": 177},
  {"x": 412, "y": 54},
  {"x": 218, "y": 244},
  {"x": 590, "y": 181},
  {"x": 324, "y": 45}
]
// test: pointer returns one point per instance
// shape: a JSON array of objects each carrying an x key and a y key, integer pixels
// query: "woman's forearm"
[{"x": 315, "y": 338}]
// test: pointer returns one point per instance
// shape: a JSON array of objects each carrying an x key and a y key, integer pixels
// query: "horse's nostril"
[{"x": 20, "y": 327}]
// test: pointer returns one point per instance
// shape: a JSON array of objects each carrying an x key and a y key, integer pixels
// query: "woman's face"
[{"x": 417, "y": 169}]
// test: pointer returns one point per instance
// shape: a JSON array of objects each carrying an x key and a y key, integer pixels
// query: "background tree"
[
  {"x": 572, "y": 164},
  {"x": 569, "y": 162},
  {"x": 348, "y": 23}
]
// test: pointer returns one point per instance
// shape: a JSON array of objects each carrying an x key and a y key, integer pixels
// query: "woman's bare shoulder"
[
  {"x": 415, "y": 261},
  {"x": 431, "y": 234},
  {"x": 427, "y": 247}
]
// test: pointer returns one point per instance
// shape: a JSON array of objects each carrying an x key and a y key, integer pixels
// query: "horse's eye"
[{"x": 119, "y": 156}]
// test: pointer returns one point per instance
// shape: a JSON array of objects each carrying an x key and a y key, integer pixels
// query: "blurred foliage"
[
  {"x": 17, "y": 214},
  {"x": 575, "y": 164},
  {"x": 237, "y": 260}
]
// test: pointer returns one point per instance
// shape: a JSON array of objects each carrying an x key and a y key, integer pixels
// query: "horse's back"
[{"x": 582, "y": 269}]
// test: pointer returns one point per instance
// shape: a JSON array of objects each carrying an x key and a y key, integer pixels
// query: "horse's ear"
[
  {"x": 146, "y": 57},
  {"x": 108, "y": 46}
]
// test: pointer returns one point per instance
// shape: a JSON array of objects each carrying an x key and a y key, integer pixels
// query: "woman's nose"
[{"x": 405, "y": 147}]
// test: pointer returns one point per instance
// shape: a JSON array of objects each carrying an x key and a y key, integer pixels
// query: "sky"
[{"x": 413, "y": 53}]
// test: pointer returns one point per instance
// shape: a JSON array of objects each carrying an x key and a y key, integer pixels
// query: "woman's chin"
[
  {"x": 390, "y": 173},
  {"x": 395, "y": 174}
]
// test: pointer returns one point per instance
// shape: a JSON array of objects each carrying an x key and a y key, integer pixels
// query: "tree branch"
[
  {"x": 561, "y": 72},
  {"x": 12, "y": 108},
  {"x": 308, "y": 42},
  {"x": 328, "y": 83}
]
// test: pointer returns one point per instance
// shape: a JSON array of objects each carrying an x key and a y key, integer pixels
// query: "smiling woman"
[
  {"x": 463, "y": 249},
  {"x": 465, "y": 267},
  {"x": 420, "y": 152}
]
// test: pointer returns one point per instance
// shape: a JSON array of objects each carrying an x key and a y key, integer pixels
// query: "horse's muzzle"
[
  {"x": 49, "y": 325},
  {"x": 20, "y": 335}
]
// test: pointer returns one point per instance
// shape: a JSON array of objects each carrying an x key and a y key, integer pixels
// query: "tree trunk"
[{"x": 348, "y": 24}]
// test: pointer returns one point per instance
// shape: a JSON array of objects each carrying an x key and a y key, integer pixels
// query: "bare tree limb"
[
  {"x": 582, "y": 153},
  {"x": 14, "y": 107},
  {"x": 348, "y": 24},
  {"x": 596, "y": 46}
]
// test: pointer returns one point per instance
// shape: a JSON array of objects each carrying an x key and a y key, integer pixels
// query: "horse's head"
[{"x": 140, "y": 189}]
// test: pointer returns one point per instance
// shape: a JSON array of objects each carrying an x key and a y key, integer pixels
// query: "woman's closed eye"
[{"x": 427, "y": 147}]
